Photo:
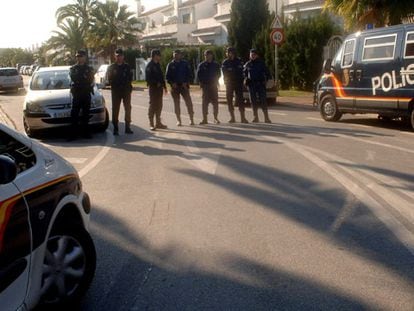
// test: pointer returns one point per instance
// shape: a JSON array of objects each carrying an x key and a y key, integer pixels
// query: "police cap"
[
  {"x": 155, "y": 52},
  {"x": 254, "y": 51},
  {"x": 119, "y": 51},
  {"x": 80, "y": 53},
  {"x": 231, "y": 50},
  {"x": 177, "y": 51}
]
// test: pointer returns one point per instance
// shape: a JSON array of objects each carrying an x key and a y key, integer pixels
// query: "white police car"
[{"x": 47, "y": 256}]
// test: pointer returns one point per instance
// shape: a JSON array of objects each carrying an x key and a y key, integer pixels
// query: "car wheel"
[
  {"x": 329, "y": 109},
  {"x": 412, "y": 119},
  {"x": 68, "y": 266},
  {"x": 29, "y": 131},
  {"x": 103, "y": 126},
  {"x": 385, "y": 118}
]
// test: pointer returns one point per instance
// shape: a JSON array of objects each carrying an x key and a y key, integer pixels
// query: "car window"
[
  {"x": 50, "y": 80},
  {"x": 409, "y": 45},
  {"x": 379, "y": 48},
  {"x": 20, "y": 153},
  {"x": 8, "y": 72},
  {"x": 349, "y": 50}
]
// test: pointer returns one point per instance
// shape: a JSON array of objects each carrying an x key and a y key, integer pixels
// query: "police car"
[
  {"x": 47, "y": 256},
  {"x": 373, "y": 72}
]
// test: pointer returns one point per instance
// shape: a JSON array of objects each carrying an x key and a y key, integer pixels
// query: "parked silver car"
[
  {"x": 10, "y": 79},
  {"x": 48, "y": 102}
]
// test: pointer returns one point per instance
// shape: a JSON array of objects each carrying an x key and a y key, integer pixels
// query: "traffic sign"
[
  {"x": 277, "y": 36},
  {"x": 277, "y": 24}
]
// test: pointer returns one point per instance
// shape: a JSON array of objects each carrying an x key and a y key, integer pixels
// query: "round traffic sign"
[{"x": 277, "y": 36}]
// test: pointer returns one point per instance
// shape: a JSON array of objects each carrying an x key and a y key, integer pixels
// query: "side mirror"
[
  {"x": 327, "y": 68},
  {"x": 8, "y": 170}
]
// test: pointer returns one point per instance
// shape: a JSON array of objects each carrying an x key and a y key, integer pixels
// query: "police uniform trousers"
[
  {"x": 257, "y": 91},
  {"x": 118, "y": 95},
  {"x": 184, "y": 91},
  {"x": 81, "y": 102},
  {"x": 155, "y": 105},
  {"x": 235, "y": 88},
  {"x": 210, "y": 95}
]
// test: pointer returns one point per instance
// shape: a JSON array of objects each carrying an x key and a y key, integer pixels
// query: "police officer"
[
  {"x": 232, "y": 68},
  {"x": 82, "y": 77},
  {"x": 179, "y": 76},
  {"x": 208, "y": 74},
  {"x": 120, "y": 79},
  {"x": 156, "y": 84},
  {"x": 256, "y": 75}
]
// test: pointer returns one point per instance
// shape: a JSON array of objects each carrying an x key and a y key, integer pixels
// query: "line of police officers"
[{"x": 254, "y": 74}]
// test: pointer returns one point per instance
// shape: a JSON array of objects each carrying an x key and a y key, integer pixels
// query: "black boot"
[
  {"x": 116, "y": 131},
  {"x": 216, "y": 120},
  {"x": 266, "y": 116},
  {"x": 159, "y": 125},
  {"x": 128, "y": 129},
  {"x": 232, "y": 118},
  {"x": 152, "y": 127},
  {"x": 243, "y": 117},
  {"x": 204, "y": 121},
  {"x": 179, "y": 121},
  {"x": 256, "y": 116},
  {"x": 191, "y": 120}
]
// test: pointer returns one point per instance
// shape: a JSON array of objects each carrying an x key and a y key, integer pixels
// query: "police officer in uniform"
[
  {"x": 256, "y": 75},
  {"x": 208, "y": 74},
  {"x": 156, "y": 84},
  {"x": 179, "y": 76},
  {"x": 232, "y": 68},
  {"x": 120, "y": 79},
  {"x": 82, "y": 78}
]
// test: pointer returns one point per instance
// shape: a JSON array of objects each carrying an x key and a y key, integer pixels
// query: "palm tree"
[
  {"x": 81, "y": 9},
  {"x": 358, "y": 13},
  {"x": 66, "y": 41},
  {"x": 113, "y": 25}
]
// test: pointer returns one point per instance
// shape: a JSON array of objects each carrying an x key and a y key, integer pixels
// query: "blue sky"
[{"x": 24, "y": 23}]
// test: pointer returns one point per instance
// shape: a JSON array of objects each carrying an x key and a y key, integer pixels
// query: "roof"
[
  {"x": 210, "y": 31},
  {"x": 161, "y": 8},
  {"x": 165, "y": 35},
  {"x": 189, "y": 3}
]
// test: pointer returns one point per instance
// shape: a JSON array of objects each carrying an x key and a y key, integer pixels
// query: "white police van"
[{"x": 373, "y": 72}]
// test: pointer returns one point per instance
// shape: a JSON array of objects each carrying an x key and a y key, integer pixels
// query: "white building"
[{"x": 205, "y": 21}]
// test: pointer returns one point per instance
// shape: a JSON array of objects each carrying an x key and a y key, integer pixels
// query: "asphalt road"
[{"x": 300, "y": 214}]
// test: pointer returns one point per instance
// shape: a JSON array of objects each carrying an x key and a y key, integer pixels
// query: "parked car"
[
  {"x": 270, "y": 92},
  {"x": 48, "y": 102},
  {"x": 101, "y": 76},
  {"x": 373, "y": 72},
  {"x": 10, "y": 79},
  {"x": 47, "y": 256}
]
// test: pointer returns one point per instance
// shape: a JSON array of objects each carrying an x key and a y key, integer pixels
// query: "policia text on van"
[{"x": 373, "y": 72}]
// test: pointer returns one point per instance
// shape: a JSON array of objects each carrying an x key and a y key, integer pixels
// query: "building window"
[{"x": 187, "y": 18}]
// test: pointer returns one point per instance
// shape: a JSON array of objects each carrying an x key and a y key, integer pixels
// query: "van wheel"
[
  {"x": 329, "y": 109},
  {"x": 68, "y": 267},
  {"x": 412, "y": 119}
]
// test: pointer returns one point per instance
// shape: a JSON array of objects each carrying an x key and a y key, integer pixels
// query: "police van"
[{"x": 373, "y": 72}]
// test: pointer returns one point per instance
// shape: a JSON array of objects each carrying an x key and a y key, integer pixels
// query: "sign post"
[{"x": 277, "y": 36}]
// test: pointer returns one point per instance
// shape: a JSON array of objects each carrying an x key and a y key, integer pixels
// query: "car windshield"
[
  {"x": 8, "y": 72},
  {"x": 51, "y": 80}
]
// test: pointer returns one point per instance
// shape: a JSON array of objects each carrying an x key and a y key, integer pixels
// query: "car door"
[{"x": 15, "y": 234}]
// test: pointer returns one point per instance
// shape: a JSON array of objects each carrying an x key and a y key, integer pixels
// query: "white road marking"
[
  {"x": 396, "y": 227},
  {"x": 277, "y": 113},
  {"x": 100, "y": 156},
  {"x": 407, "y": 133},
  {"x": 76, "y": 160},
  {"x": 315, "y": 119}
]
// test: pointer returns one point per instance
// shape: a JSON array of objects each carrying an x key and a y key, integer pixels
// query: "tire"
[
  {"x": 102, "y": 127},
  {"x": 329, "y": 109},
  {"x": 68, "y": 267},
  {"x": 412, "y": 119},
  {"x": 29, "y": 131}
]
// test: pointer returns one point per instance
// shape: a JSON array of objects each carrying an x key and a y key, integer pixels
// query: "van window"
[
  {"x": 379, "y": 48},
  {"x": 8, "y": 72},
  {"x": 409, "y": 45},
  {"x": 348, "y": 57}
]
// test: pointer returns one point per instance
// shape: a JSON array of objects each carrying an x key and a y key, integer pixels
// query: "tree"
[
  {"x": 81, "y": 10},
  {"x": 66, "y": 41},
  {"x": 300, "y": 57},
  {"x": 112, "y": 26},
  {"x": 11, "y": 56},
  {"x": 357, "y": 14},
  {"x": 246, "y": 19}
]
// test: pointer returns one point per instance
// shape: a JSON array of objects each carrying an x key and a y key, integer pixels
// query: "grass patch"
[{"x": 294, "y": 93}]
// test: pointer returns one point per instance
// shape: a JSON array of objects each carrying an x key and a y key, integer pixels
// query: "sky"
[{"x": 25, "y": 23}]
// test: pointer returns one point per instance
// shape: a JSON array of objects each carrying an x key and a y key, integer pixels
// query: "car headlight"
[
  {"x": 97, "y": 102},
  {"x": 34, "y": 107}
]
